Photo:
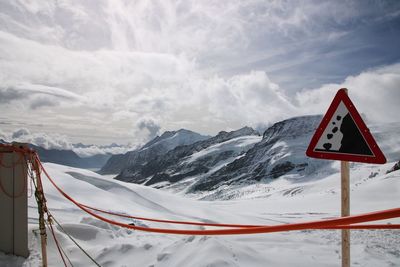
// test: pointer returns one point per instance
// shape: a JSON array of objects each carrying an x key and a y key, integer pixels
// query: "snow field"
[{"x": 316, "y": 198}]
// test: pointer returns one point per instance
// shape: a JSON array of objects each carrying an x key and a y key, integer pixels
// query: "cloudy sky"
[{"x": 123, "y": 71}]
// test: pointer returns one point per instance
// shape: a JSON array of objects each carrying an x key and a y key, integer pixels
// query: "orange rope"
[
  {"x": 338, "y": 223},
  {"x": 355, "y": 227},
  {"x": 169, "y": 221}
]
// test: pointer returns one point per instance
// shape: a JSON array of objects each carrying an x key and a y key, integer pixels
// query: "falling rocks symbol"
[
  {"x": 352, "y": 141},
  {"x": 343, "y": 135}
]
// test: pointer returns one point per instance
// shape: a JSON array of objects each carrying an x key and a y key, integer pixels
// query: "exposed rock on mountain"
[
  {"x": 190, "y": 160},
  {"x": 158, "y": 146},
  {"x": 216, "y": 168},
  {"x": 281, "y": 151},
  {"x": 395, "y": 167}
]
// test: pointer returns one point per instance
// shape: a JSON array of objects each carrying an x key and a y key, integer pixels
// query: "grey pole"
[{"x": 13, "y": 202}]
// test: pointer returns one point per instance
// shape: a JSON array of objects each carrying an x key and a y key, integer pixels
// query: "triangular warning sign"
[{"x": 343, "y": 135}]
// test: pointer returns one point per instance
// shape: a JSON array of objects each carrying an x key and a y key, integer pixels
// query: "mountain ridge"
[
  {"x": 162, "y": 166},
  {"x": 157, "y": 146},
  {"x": 280, "y": 151}
]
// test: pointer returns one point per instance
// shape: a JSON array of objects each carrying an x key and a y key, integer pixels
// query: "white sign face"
[
  {"x": 331, "y": 138},
  {"x": 343, "y": 135}
]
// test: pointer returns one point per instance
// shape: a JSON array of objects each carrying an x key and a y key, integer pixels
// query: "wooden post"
[
  {"x": 41, "y": 209},
  {"x": 345, "y": 194}
]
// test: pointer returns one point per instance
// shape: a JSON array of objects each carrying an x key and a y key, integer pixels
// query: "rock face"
[
  {"x": 158, "y": 146},
  {"x": 395, "y": 167},
  {"x": 234, "y": 158},
  {"x": 281, "y": 151},
  {"x": 191, "y": 160}
]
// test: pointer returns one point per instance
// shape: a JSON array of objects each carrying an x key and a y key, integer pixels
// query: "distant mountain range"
[
  {"x": 213, "y": 167},
  {"x": 227, "y": 159},
  {"x": 192, "y": 159},
  {"x": 68, "y": 157},
  {"x": 280, "y": 152},
  {"x": 188, "y": 162}
]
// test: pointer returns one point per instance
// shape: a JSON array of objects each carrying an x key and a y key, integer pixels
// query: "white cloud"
[
  {"x": 135, "y": 86},
  {"x": 95, "y": 70},
  {"x": 8, "y": 95},
  {"x": 242, "y": 99},
  {"x": 44, "y": 140},
  {"x": 20, "y": 133},
  {"x": 150, "y": 126},
  {"x": 98, "y": 150},
  {"x": 3, "y": 135},
  {"x": 43, "y": 101},
  {"x": 375, "y": 93},
  {"x": 61, "y": 142}
]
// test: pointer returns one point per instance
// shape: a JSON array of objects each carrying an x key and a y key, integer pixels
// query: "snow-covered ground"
[
  {"x": 281, "y": 201},
  {"x": 238, "y": 144}
]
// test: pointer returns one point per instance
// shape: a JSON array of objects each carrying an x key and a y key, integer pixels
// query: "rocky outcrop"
[
  {"x": 395, "y": 167},
  {"x": 189, "y": 160},
  {"x": 281, "y": 151},
  {"x": 158, "y": 146}
]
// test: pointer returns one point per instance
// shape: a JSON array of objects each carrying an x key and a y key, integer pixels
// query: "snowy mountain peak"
[
  {"x": 216, "y": 166},
  {"x": 292, "y": 127},
  {"x": 185, "y": 161},
  {"x": 172, "y": 139},
  {"x": 280, "y": 152},
  {"x": 158, "y": 138},
  {"x": 158, "y": 146},
  {"x": 240, "y": 132},
  {"x": 184, "y": 131}
]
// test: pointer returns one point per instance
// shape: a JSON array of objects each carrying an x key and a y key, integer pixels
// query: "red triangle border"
[{"x": 341, "y": 96}]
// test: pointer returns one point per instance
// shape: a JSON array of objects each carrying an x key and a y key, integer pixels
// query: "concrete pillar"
[{"x": 13, "y": 203}]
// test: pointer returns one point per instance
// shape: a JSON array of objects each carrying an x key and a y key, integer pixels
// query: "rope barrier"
[
  {"x": 35, "y": 168},
  {"x": 338, "y": 223},
  {"x": 42, "y": 207},
  {"x": 76, "y": 243},
  {"x": 234, "y": 229},
  {"x": 354, "y": 227},
  {"x": 56, "y": 240},
  {"x": 66, "y": 256},
  {"x": 170, "y": 221}
]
